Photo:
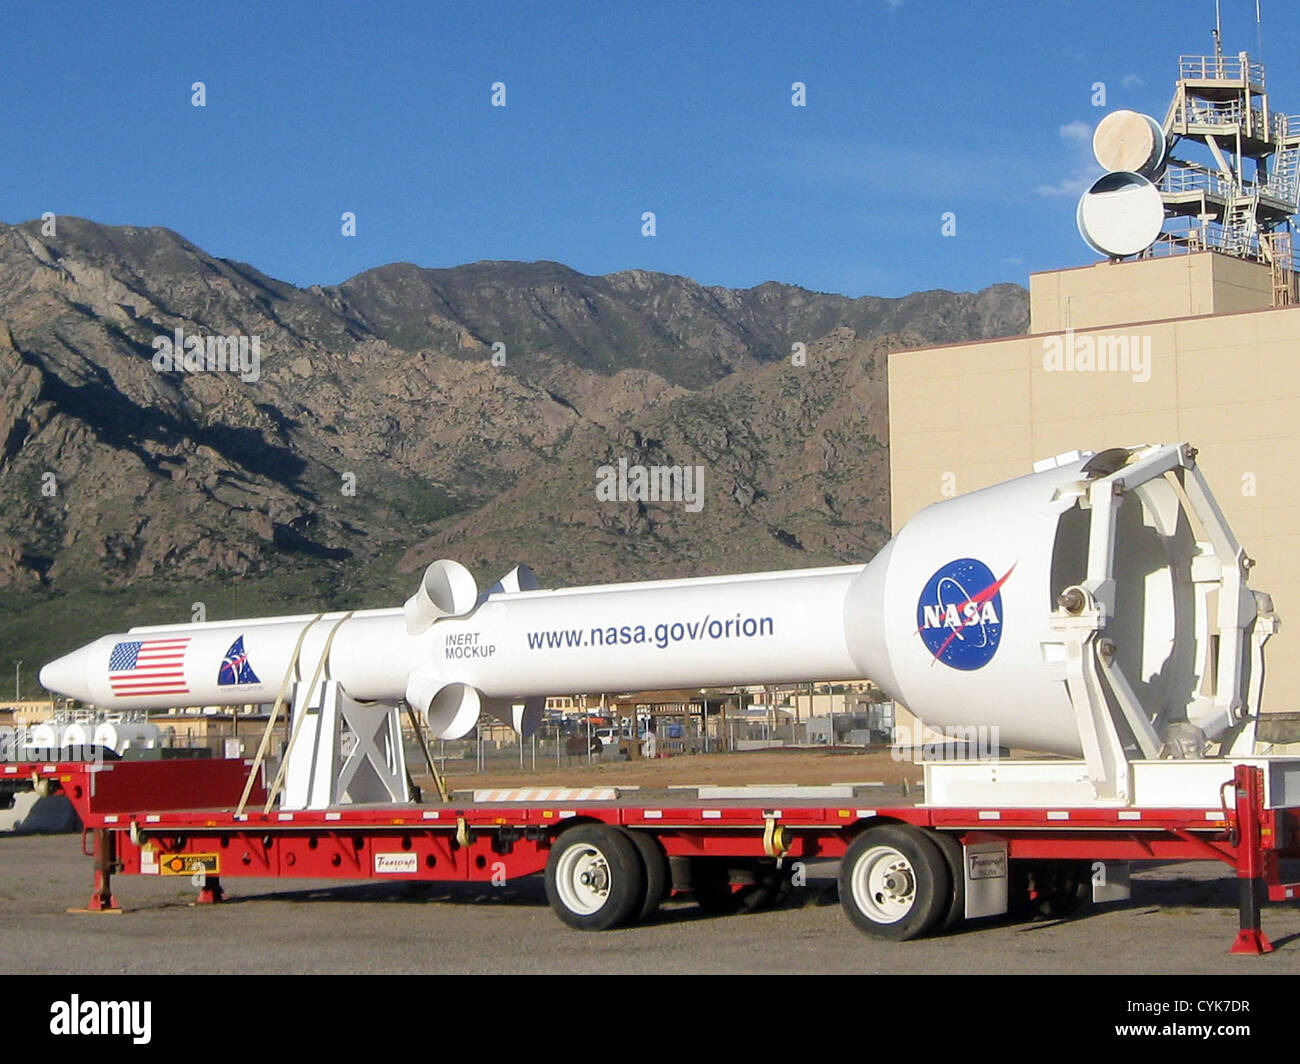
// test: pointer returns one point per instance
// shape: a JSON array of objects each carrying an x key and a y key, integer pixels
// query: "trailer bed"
[{"x": 909, "y": 868}]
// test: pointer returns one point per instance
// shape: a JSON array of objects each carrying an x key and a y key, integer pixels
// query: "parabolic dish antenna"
[
  {"x": 1121, "y": 214},
  {"x": 1131, "y": 142}
]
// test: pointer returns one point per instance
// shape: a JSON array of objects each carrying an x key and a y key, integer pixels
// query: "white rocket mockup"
[{"x": 1005, "y": 608}]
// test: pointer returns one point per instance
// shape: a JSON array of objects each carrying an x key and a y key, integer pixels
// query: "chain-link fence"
[{"x": 493, "y": 747}]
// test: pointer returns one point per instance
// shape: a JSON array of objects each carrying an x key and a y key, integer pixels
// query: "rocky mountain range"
[{"x": 413, "y": 413}]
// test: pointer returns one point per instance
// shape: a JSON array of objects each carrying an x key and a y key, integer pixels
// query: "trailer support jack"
[
  {"x": 1251, "y": 939},
  {"x": 211, "y": 892},
  {"x": 102, "y": 898},
  {"x": 1248, "y": 786}
]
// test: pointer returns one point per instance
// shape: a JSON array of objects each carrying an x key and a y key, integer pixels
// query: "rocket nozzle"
[
  {"x": 448, "y": 589},
  {"x": 451, "y": 710}
]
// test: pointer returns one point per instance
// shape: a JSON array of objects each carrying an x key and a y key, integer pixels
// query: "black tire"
[
  {"x": 594, "y": 877},
  {"x": 894, "y": 882},
  {"x": 658, "y": 878},
  {"x": 954, "y": 856}
]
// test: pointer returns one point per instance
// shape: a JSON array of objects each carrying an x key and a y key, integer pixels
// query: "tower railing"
[
  {"x": 1280, "y": 255},
  {"x": 1220, "y": 68},
  {"x": 1183, "y": 179}
]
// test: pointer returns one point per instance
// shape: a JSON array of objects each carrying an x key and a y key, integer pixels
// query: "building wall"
[
  {"x": 28, "y": 711},
  {"x": 968, "y": 415},
  {"x": 1179, "y": 286}
]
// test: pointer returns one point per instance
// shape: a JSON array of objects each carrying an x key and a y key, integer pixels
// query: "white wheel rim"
[
  {"x": 582, "y": 879},
  {"x": 884, "y": 885}
]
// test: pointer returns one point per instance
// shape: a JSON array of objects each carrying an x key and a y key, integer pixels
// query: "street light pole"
[{"x": 17, "y": 672}]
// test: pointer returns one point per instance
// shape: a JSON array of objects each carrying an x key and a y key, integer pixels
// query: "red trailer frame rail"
[{"x": 906, "y": 870}]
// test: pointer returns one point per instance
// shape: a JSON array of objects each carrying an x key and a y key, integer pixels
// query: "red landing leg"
[
  {"x": 211, "y": 892},
  {"x": 1251, "y": 941},
  {"x": 102, "y": 898}
]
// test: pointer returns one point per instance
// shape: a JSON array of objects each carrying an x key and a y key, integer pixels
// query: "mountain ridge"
[{"x": 384, "y": 426}]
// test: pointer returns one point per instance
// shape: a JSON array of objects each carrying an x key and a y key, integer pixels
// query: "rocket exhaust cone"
[
  {"x": 454, "y": 711},
  {"x": 446, "y": 590}
]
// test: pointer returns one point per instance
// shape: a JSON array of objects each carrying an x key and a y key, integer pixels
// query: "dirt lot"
[{"x": 1181, "y": 919}]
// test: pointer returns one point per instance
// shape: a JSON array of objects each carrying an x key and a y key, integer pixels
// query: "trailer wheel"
[
  {"x": 894, "y": 883},
  {"x": 955, "y": 856},
  {"x": 594, "y": 877},
  {"x": 658, "y": 878}
]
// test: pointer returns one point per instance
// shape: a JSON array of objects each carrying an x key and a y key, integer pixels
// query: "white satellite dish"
[
  {"x": 1121, "y": 214},
  {"x": 1131, "y": 142}
]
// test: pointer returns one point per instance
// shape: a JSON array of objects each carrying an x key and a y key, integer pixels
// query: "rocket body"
[
  {"x": 223, "y": 663},
  {"x": 956, "y": 618},
  {"x": 760, "y": 628}
]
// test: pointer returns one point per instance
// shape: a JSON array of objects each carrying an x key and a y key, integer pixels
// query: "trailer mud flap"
[{"x": 986, "y": 866}]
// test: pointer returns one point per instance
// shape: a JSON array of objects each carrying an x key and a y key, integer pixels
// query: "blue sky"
[{"x": 914, "y": 108}]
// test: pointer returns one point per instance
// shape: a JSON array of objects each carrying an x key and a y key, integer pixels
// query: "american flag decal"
[{"x": 149, "y": 667}]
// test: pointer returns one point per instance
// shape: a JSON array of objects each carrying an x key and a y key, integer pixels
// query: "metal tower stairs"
[
  {"x": 1240, "y": 224},
  {"x": 1279, "y": 254},
  {"x": 1284, "y": 182},
  {"x": 1240, "y": 196}
]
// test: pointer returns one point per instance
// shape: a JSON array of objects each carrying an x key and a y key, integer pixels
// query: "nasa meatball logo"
[
  {"x": 235, "y": 669},
  {"x": 959, "y": 614}
]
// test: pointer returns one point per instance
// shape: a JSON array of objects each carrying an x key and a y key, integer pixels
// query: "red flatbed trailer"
[{"x": 907, "y": 870}]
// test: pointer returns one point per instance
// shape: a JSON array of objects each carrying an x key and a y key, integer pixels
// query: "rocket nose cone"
[{"x": 68, "y": 675}]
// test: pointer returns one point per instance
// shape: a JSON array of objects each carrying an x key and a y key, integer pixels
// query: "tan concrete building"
[
  {"x": 25, "y": 711},
  {"x": 1202, "y": 347}
]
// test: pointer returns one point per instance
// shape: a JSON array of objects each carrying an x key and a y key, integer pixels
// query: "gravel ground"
[{"x": 1181, "y": 919}]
